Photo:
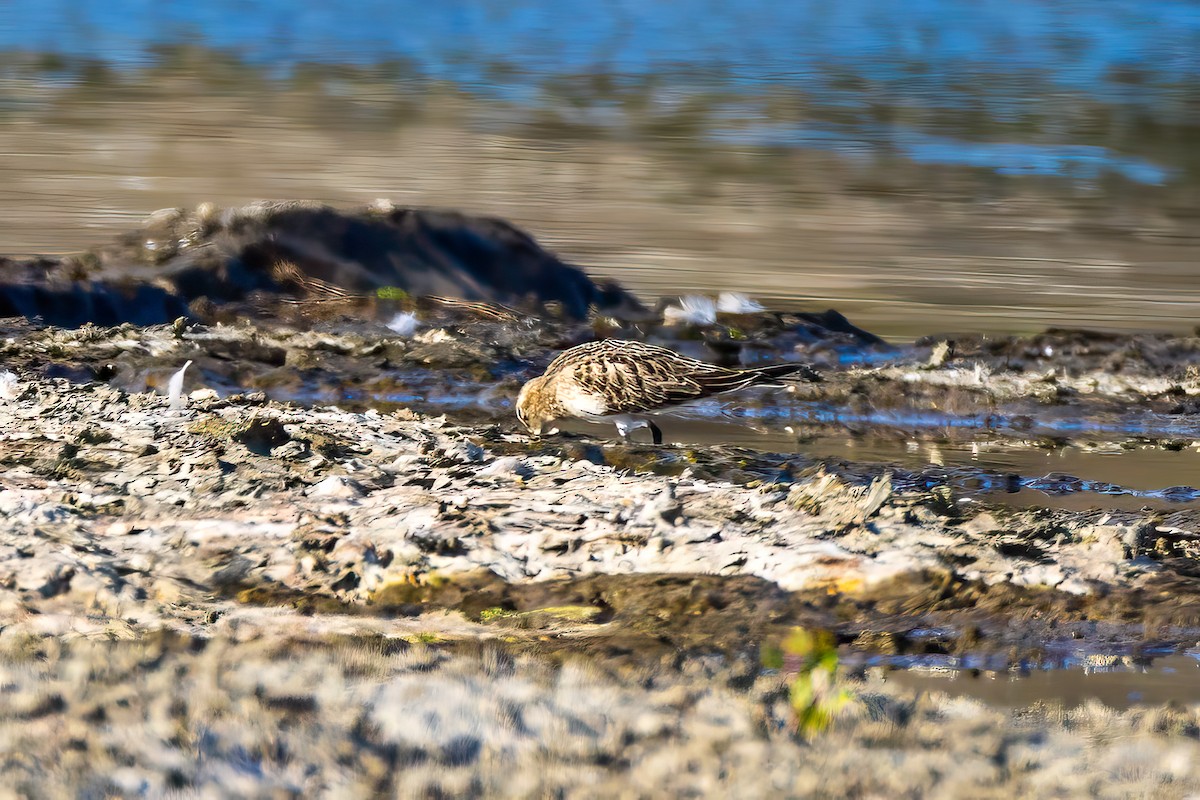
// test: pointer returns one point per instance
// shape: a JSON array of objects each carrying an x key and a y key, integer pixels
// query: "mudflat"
[{"x": 335, "y": 562}]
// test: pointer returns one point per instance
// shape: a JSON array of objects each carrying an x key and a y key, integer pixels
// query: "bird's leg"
[
  {"x": 655, "y": 432},
  {"x": 627, "y": 424}
]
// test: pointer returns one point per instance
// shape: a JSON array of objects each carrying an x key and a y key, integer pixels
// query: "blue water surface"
[{"x": 1012, "y": 57}]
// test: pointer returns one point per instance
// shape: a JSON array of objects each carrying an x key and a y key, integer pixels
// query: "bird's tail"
[
  {"x": 772, "y": 373},
  {"x": 725, "y": 380}
]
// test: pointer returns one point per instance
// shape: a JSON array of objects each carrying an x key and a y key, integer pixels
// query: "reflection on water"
[
  {"x": 1007, "y": 470},
  {"x": 1072, "y": 462},
  {"x": 945, "y": 165},
  {"x": 1118, "y": 681}
]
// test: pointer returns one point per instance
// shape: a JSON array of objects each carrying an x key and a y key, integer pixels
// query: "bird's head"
[{"x": 536, "y": 407}]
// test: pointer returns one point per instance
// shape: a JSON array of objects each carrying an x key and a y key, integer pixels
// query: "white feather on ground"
[
  {"x": 175, "y": 398},
  {"x": 738, "y": 303},
  {"x": 404, "y": 324},
  {"x": 692, "y": 310},
  {"x": 10, "y": 387}
]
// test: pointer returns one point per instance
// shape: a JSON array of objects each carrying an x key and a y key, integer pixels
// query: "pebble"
[{"x": 336, "y": 486}]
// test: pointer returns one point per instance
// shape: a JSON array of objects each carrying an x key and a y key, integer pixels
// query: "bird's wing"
[{"x": 634, "y": 377}]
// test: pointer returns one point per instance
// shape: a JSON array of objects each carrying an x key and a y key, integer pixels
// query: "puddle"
[
  {"x": 982, "y": 457},
  {"x": 1118, "y": 681},
  {"x": 1111, "y": 475},
  {"x": 1066, "y": 477},
  {"x": 1138, "y": 423}
]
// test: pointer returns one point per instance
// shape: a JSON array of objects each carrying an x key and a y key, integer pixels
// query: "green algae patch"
[
  {"x": 492, "y": 614},
  {"x": 578, "y": 615}
]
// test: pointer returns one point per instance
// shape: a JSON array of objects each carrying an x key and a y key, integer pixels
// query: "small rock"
[
  {"x": 942, "y": 351},
  {"x": 336, "y": 486},
  {"x": 513, "y": 467},
  {"x": 465, "y": 451},
  {"x": 10, "y": 386},
  {"x": 289, "y": 450}
]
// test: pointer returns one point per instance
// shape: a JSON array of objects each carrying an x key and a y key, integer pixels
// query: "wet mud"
[{"x": 238, "y": 436}]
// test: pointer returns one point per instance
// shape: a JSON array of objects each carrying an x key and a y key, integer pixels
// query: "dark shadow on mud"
[{"x": 96, "y": 302}]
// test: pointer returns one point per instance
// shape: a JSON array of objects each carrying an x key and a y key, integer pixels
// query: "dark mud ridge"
[
  {"x": 254, "y": 253},
  {"x": 335, "y": 563}
]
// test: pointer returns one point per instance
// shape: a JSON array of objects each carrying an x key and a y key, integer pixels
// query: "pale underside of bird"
[{"x": 622, "y": 381}]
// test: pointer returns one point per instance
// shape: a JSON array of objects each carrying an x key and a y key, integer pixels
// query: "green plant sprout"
[
  {"x": 391, "y": 293},
  {"x": 810, "y": 658}
]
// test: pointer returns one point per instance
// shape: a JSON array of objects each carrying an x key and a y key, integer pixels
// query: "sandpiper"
[{"x": 619, "y": 381}]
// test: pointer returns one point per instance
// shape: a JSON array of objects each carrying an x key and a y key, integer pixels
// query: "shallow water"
[
  {"x": 1119, "y": 681},
  {"x": 1113, "y": 476},
  {"x": 1070, "y": 462}
]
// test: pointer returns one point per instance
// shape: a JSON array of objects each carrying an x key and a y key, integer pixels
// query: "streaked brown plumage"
[{"x": 619, "y": 380}]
